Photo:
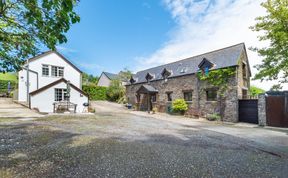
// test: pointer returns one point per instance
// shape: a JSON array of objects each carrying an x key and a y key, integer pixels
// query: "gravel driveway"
[{"x": 121, "y": 144}]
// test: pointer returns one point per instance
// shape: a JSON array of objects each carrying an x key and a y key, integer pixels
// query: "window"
[
  {"x": 211, "y": 95},
  {"x": 187, "y": 95},
  {"x": 57, "y": 71},
  {"x": 45, "y": 70},
  {"x": 153, "y": 98},
  {"x": 169, "y": 96},
  {"x": 61, "y": 94}
]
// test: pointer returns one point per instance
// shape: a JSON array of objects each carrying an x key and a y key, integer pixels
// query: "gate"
[
  {"x": 277, "y": 110},
  {"x": 248, "y": 111}
]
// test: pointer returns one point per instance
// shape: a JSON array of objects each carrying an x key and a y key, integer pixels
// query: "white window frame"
[
  {"x": 46, "y": 67},
  {"x": 63, "y": 94},
  {"x": 59, "y": 70}
]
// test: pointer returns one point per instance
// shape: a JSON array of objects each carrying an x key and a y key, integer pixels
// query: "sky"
[{"x": 139, "y": 34}]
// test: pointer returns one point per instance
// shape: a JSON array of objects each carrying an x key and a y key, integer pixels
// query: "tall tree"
[
  {"x": 275, "y": 27},
  {"x": 26, "y": 26}
]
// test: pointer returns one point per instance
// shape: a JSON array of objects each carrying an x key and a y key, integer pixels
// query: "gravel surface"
[{"x": 127, "y": 145}]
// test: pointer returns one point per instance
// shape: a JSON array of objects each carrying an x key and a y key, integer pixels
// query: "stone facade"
[
  {"x": 199, "y": 106},
  {"x": 262, "y": 110},
  {"x": 238, "y": 86}
]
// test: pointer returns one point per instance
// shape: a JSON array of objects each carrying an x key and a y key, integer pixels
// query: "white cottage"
[{"x": 49, "y": 75}]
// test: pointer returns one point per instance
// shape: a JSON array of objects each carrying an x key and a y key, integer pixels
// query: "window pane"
[
  {"x": 60, "y": 71},
  {"x": 211, "y": 95},
  {"x": 169, "y": 96},
  {"x": 45, "y": 70},
  {"x": 188, "y": 96},
  {"x": 58, "y": 94},
  {"x": 54, "y": 71}
]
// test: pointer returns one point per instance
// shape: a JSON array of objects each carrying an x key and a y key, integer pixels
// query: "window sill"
[{"x": 189, "y": 102}]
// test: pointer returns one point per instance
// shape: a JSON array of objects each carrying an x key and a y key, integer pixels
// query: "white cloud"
[
  {"x": 206, "y": 25},
  {"x": 65, "y": 50}
]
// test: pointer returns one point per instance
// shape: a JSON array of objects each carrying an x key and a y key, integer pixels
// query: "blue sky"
[
  {"x": 112, "y": 33},
  {"x": 138, "y": 34}
]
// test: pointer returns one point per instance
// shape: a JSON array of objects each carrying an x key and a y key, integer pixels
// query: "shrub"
[
  {"x": 115, "y": 91},
  {"x": 4, "y": 86},
  {"x": 95, "y": 92},
  {"x": 213, "y": 117},
  {"x": 179, "y": 105}
]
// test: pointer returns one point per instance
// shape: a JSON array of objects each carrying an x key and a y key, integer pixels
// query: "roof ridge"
[{"x": 194, "y": 56}]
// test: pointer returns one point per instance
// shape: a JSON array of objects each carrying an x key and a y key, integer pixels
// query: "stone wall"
[
  {"x": 262, "y": 110},
  {"x": 199, "y": 105}
]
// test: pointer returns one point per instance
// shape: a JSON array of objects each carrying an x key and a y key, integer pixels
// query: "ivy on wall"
[{"x": 219, "y": 79}]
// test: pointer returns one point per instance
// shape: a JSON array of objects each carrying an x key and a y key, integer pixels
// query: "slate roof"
[
  {"x": 147, "y": 89},
  {"x": 222, "y": 58},
  {"x": 111, "y": 76}
]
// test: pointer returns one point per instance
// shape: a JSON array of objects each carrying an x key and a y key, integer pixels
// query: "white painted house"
[{"x": 49, "y": 74}]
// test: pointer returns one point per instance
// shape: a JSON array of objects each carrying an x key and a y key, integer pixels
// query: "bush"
[
  {"x": 95, "y": 92},
  {"x": 213, "y": 117},
  {"x": 4, "y": 86},
  {"x": 115, "y": 91},
  {"x": 179, "y": 105}
]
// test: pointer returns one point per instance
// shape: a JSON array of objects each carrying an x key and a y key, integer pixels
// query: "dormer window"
[
  {"x": 149, "y": 77},
  {"x": 132, "y": 80},
  {"x": 205, "y": 65},
  {"x": 165, "y": 73}
]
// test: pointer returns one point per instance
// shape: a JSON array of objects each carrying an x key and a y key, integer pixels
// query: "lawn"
[{"x": 8, "y": 76}]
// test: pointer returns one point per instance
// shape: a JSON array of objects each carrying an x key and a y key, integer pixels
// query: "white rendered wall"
[
  {"x": 53, "y": 59},
  {"x": 44, "y": 100},
  {"x": 22, "y": 84}
]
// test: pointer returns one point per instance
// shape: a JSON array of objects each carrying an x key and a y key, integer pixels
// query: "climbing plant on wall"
[{"x": 218, "y": 79}]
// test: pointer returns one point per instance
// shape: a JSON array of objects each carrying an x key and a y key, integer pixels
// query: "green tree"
[
  {"x": 115, "y": 91},
  {"x": 89, "y": 79},
  {"x": 26, "y": 26},
  {"x": 125, "y": 75},
  {"x": 275, "y": 27},
  {"x": 255, "y": 91}
]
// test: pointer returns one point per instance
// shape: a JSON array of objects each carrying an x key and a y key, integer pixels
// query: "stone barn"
[{"x": 157, "y": 87}]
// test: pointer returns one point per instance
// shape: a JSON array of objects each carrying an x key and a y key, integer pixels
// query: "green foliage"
[
  {"x": 125, "y": 75},
  {"x": 179, "y": 105},
  {"x": 276, "y": 87},
  {"x": 115, "y": 91},
  {"x": 95, "y": 92},
  {"x": 26, "y": 26},
  {"x": 213, "y": 117},
  {"x": 255, "y": 91},
  {"x": 218, "y": 78},
  {"x": 8, "y": 76},
  {"x": 4, "y": 86},
  {"x": 275, "y": 57},
  {"x": 89, "y": 79}
]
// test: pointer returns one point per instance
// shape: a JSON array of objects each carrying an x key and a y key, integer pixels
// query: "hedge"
[
  {"x": 95, "y": 92},
  {"x": 4, "y": 86}
]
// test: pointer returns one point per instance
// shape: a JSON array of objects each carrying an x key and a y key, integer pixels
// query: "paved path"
[{"x": 9, "y": 109}]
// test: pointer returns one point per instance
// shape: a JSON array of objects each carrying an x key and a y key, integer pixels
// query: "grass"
[{"x": 8, "y": 76}]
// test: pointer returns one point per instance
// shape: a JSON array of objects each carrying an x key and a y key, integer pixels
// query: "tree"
[
  {"x": 116, "y": 90},
  {"x": 125, "y": 75},
  {"x": 89, "y": 79},
  {"x": 26, "y": 26},
  {"x": 275, "y": 27},
  {"x": 255, "y": 91}
]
